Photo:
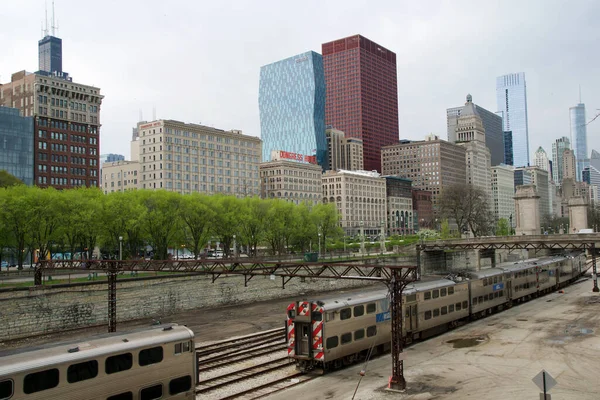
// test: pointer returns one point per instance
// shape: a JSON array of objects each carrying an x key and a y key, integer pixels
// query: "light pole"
[
  {"x": 382, "y": 237},
  {"x": 319, "y": 243},
  {"x": 120, "y": 248},
  {"x": 234, "y": 248},
  {"x": 362, "y": 237}
]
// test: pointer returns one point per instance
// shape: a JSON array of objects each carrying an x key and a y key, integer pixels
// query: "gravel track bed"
[
  {"x": 250, "y": 383},
  {"x": 213, "y": 373}
]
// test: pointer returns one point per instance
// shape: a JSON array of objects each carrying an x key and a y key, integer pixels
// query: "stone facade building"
[
  {"x": 503, "y": 192},
  {"x": 190, "y": 158},
  {"x": 344, "y": 153},
  {"x": 360, "y": 198},
  {"x": 431, "y": 164},
  {"x": 291, "y": 181},
  {"x": 399, "y": 206},
  {"x": 120, "y": 176}
]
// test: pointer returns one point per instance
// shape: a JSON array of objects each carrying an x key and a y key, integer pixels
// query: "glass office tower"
[
  {"x": 511, "y": 96},
  {"x": 579, "y": 137},
  {"x": 291, "y": 102},
  {"x": 50, "y": 54},
  {"x": 16, "y": 144}
]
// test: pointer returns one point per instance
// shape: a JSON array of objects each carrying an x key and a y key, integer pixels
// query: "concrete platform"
[{"x": 493, "y": 359}]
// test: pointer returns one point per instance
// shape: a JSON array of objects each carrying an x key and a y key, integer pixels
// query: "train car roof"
[
  {"x": 484, "y": 273},
  {"x": 13, "y": 361}
]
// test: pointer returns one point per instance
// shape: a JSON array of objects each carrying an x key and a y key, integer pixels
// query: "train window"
[
  {"x": 121, "y": 396},
  {"x": 180, "y": 385},
  {"x": 346, "y": 338},
  {"x": 443, "y": 292},
  {"x": 371, "y": 308},
  {"x": 484, "y": 281},
  {"x": 82, "y": 371},
  {"x": 317, "y": 316},
  {"x": 42, "y": 380},
  {"x": 496, "y": 295},
  {"x": 359, "y": 334},
  {"x": 149, "y": 356},
  {"x": 6, "y": 389},
  {"x": 450, "y": 290},
  {"x": 371, "y": 331},
  {"x": 474, "y": 301},
  {"x": 152, "y": 392},
  {"x": 359, "y": 311},
  {"x": 427, "y": 295},
  {"x": 485, "y": 297},
  {"x": 500, "y": 279},
  {"x": 182, "y": 347},
  {"x": 495, "y": 279},
  {"x": 427, "y": 314},
  {"x": 332, "y": 342},
  {"x": 121, "y": 362},
  {"x": 411, "y": 297},
  {"x": 345, "y": 313},
  {"x": 436, "y": 294},
  {"x": 451, "y": 308},
  {"x": 292, "y": 314},
  {"x": 465, "y": 304},
  {"x": 330, "y": 316},
  {"x": 436, "y": 312},
  {"x": 457, "y": 306},
  {"x": 444, "y": 310}
]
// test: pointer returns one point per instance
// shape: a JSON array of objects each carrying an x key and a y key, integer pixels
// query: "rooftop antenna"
[
  {"x": 46, "y": 19},
  {"x": 53, "y": 26}
]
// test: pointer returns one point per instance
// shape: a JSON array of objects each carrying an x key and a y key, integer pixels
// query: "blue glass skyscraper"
[
  {"x": 579, "y": 137},
  {"x": 511, "y": 96},
  {"x": 16, "y": 144},
  {"x": 291, "y": 102}
]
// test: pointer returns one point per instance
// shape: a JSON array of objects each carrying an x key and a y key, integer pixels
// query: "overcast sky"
[{"x": 199, "y": 61}]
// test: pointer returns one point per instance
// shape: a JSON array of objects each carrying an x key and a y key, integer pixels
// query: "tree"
[
  {"x": 327, "y": 221},
  {"x": 281, "y": 222},
  {"x": 7, "y": 180},
  {"x": 226, "y": 217},
  {"x": 253, "y": 215},
  {"x": 43, "y": 203},
  {"x": 502, "y": 227},
  {"x": 197, "y": 217},
  {"x": 17, "y": 215},
  {"x": 445, "y": 229},
  {"x": 160, "y": 219},
  {"x": 468, "y": 206}
]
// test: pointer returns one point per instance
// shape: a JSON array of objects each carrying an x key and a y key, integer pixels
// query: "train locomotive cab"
[{"x": 304, "y": 328}]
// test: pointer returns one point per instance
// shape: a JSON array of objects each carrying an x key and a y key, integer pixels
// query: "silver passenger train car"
[
  {"x": 334, "y": 331},
  {"x": 155, "y": 363}
]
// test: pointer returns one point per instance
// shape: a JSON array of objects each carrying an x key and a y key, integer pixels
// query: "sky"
[{"x": 199, "y": 61}]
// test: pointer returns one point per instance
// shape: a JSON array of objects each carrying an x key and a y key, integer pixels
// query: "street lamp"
[
  {"x": 234, "y": 248},
  {"x": 120, "y": 248},
  {"x": 319, "y": 243},
  {"x": 382, "y": 237}
]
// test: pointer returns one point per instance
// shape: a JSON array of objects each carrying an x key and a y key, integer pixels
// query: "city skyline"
[{"x": 223, "y": 92}]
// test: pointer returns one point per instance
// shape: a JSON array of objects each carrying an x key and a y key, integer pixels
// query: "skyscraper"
[
  {"x": 291, "y": 102},
  {"x": 16, "y": 144},
  {"x": 558, "y": 147},
  {"x": 542, "y": 161},
  {"x": 511, "y": 96},
  {"x": 50, "y": 54},
  {"x": 579, "y": 137},
  {"x": 362, "y": 94},
  {"x": 492, "y": 124},
  {"x": 508, "y": 148}
]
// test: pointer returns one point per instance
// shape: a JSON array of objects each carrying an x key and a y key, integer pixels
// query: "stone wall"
[{"x": 34, "y": 311}]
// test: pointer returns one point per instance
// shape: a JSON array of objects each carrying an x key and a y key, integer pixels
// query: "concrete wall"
[{"x": 33, "y": 311}]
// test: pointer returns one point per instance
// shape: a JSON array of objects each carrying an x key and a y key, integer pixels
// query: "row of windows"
[
  {"x": 333, "y": 341},
  {"x": 359, "y": 311},
  {"x": 446, "y": 310},
  {"x": 491, "y": 281},
  {"x": 439, "y": 293},
  {"x": 48, "y": 379},
  {"x": 487, "y": 297}
]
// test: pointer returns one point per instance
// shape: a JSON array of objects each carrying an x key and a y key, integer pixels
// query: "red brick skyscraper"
[{"x": 362, "y": 94}]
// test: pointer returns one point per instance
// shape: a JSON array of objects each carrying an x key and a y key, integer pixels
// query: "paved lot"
[{"x": 558, "y": 333}]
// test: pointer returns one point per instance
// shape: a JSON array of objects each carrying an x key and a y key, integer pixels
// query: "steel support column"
[
  {"x": 397, "y": 381},
  {"x": 112, "y": 299},
  {"x": 594, "y": 271},
  {"x": 419, "y": 272}
]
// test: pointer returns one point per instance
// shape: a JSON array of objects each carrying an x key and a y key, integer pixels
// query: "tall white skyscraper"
[
  {"x": 542, "y": 161},
  {"x": 579, "y": 137},
  {"x": 511, "y": 97}
]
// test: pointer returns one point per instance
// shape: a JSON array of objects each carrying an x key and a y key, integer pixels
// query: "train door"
[
  {"x": 302, "y": 338},
  {"x": 413, "y": 318},
  {"x": 509, "y": 294}
]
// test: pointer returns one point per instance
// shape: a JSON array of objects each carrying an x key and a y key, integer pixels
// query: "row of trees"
[{"x": 76, "y": 220}]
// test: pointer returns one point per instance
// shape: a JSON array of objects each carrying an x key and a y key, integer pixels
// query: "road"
[{"x": 501, "y": 354}]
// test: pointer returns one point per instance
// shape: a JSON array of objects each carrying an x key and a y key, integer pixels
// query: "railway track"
[{"x": 246, "y": 367}]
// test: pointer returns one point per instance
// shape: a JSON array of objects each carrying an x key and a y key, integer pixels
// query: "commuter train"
[
  {"x": 155, "y": 363},
  {"x": 334, "y": 331}
]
